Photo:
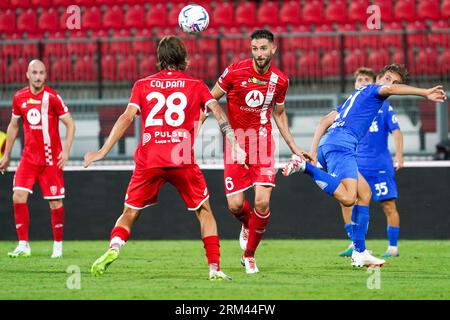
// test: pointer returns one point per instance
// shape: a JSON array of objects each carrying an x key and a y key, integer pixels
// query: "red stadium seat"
[
  {"x": 336, "y": 11},
  {"x": 42, "y": 3},
  {"x": 233, "y": 44},
  {"x": 386, "y": 10},
  {"x": 7, "y": 21},
  {"x": 267, "y": 13},
  {"x": 20, "y": 3},
  {"x": 27, "y": 21},
  {"x": 157, "y": 16},
  {"x": 351, "y": 41},
  {"x": 107, "y": 117},
  {"x": 174, "y": 12},
  {"x": 145, "y": 45},
  {"x": 135, "y": 17},
  {"x": 84, "y": 69},
  {"x": 5, "y": 5},
  {"x": 206, "y": 44},
  {"x": 290, "y": 63},
  {"x": 444, "y": 62},
  {"x": 147, "y": 66},
  {"x": 313, "y": 11},
  {"x": 91, "y": 18},
  {"x": 31, "y": 47},
  {"x": 353, "y": 60},
  {"x": 17, "y": 70},
  {"x": 370, "y": 38},
  {"x": 399, "y": 58},
  {"x": 438, "y": 36},
  {"x": 405, "y": 10},
  {"x": 246, "y": 14},
  {"x": 3, "y": 79},
  {"x": 291, "y": 12},
  {"x": 429, "y": 9},
  {"x": 395, "y": 39},
  {"x": 425, "y": 61},
  {"x": 79, "y": 46},
  {"x": 48, "y": 20},
  {"x": 357, "y": 11},
  {"x": 120, "y": 45},
  {"x": 331, "y": 63},
  {"x": 12, "y": 50},
  {"x": 324, "y": 41},
  {"x": 223, "y": 14},
  {"x": 309, "y": 64},
  {"x": 61, "y": 69},
  {"x": 378, "y": 59},
  {"x": 127, "y": 68},
  {"x": 109, "y": 67},
  {"x": 445, "y": 9},
  {"x": 417, "y": 33},
  {"x": 113, "y": 18},
  {"x": 298, "y": 38},
  {"x": 55, "y": 48},
  {"x": 62, "y": 3}
]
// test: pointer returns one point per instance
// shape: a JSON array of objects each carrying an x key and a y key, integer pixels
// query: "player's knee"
[
  {"x": 365, "y": 197},
  {"x": 235, "y": 207},
  {"x": 349, "y": 200},
  {"x": 55, "y": 204},
  {"x": 262, "y": 205},
  {"x": 389, "y": 208},
  {"x": 20, "y": 197}
]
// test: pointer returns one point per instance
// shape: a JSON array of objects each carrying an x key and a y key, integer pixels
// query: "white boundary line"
[{"x": 126, "y": 167}]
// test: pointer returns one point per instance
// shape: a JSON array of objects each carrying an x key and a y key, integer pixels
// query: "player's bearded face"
[
  {"x": 36, "y": 77},
  {"x": 262, "y": 52}
]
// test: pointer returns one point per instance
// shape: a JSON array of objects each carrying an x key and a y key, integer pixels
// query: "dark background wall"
[{"x": 94, "y": 201}]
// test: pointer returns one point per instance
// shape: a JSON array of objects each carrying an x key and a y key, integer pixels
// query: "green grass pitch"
[{"x": 289, "y": 269}]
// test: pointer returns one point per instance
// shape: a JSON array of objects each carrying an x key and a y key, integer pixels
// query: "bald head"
[{"x": 36, "y": 75}]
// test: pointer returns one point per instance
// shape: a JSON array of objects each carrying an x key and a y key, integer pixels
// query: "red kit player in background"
[
  {"x": 253, "y": 87},
  {"x": 170, "y": 104},
  {"x": 43, "y": 158}
]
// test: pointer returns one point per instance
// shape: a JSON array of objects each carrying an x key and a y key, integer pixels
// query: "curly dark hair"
[
  {"x": 172, "y": 54},
  {"x": 396, "y": 68}
]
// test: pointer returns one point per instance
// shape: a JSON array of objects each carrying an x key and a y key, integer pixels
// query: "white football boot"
[
  {"x": 57, "y": 249},
  {"x": 365, "y": 259},
  {"x": 294, "y": 165},
  {"x": 250, "y": 265}
]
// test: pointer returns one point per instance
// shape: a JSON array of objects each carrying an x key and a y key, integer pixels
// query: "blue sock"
[
  {"x": 349, "y": 229},
  {"x": 392, "y": 233},
  {"x": 325, "y": 181},
  {"x": 360, "y": 224}
]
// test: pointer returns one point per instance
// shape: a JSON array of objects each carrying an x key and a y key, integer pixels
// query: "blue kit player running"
[
  {"x": 376, "y": 166},
  {"x": 337, "y": 151}
]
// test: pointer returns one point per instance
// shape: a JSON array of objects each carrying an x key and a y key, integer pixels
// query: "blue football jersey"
[
  {"x": 373, "y": 152},
  {"x": 354, "y": 117}
]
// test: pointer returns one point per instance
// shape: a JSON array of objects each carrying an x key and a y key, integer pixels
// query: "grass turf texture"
[{"x": 289, "y": 269}]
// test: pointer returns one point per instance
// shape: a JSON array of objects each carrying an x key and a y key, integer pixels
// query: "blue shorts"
[
  {"x": 338, "y": 161},
  {"x": 383, "y": 185}
]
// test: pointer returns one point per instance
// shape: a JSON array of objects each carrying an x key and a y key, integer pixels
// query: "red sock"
[
  {"x": 58, "y": 223},
  {"x": 244, "y": 216},
  {"x": 257, "y": 226},
  {"x": 22, "y": 220},
  {"x": 212, "y": 248},
  {"x": 119, "y": 235}
]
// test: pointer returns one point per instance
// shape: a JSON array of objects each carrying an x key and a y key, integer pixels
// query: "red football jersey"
[
  {"x": 40, "y": 115},
  {"x": 251, "y": 96},
  {"x": 170, "y": 104}
]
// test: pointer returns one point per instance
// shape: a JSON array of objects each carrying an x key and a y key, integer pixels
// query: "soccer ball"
[{"x": 193, "y": 19}]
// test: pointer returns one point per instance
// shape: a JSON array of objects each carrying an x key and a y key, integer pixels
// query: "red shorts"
[
  {"x": 145, "y": 184},
  {"x": 261, "y": 167},
  {"x": 50, "y": 179}
]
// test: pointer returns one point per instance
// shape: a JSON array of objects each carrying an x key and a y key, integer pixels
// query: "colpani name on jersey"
[{"x": 167, "y": 84}]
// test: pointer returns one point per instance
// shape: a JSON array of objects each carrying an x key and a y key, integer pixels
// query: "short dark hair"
[
  {"x": 396, "y": 68},
  {"x": 364, "y": 71},
  {"x": 172, "y": 54},
  {"x": 262, "y": 34}
]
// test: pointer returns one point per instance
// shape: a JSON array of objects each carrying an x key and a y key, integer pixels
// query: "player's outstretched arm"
[
  {"x": 11, "y": 135},
  {"x": 63, "y": 157},
  {"x": 121, "y": 125},
  {"x": 322, "y": 127},
  {"x": 238, "y": 154},
  {"x": 436, "y": 94},
  {"x": 281, "y": 119}
]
